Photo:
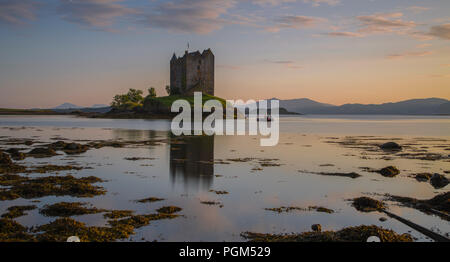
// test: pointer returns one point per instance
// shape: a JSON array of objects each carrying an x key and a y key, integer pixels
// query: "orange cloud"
[
  {"x": 408, "y": 54},
  {"x": 384, "y": 23},
  {"x": 295, "y": 22},
  {"x": 345, "y": 34}
]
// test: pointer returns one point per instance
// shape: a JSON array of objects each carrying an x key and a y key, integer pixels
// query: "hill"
[{"x": 428, "y": 106}]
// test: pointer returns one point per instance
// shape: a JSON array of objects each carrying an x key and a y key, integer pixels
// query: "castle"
[{"x": 194, "y": 72}]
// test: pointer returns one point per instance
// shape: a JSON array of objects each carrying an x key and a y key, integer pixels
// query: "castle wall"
[{"x": 193, "y": 72}]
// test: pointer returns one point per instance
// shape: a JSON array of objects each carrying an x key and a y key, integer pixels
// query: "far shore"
[{"x": 133, "y": 115}]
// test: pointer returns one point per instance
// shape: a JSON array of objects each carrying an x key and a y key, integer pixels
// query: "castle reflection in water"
[{"x": 192, "y": 161}]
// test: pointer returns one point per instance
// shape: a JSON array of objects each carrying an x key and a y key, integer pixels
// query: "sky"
[{"x": 332, "y": 51}]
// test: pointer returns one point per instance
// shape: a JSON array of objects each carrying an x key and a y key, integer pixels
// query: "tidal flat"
[{"x": 132, "y": 180}]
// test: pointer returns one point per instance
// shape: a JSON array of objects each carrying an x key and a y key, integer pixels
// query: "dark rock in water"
[
  {"x": 5, "y": 160},
  {"x": 16, "y": 154},
  {"x": 391, "y": 146},
  {"x": 423, "y": 177},
  {"x": 440, "y": 202},
  {"x": 58, "y": 145},
  {"x": 389, "y": 171},
  {"x": 316, "y": 228},
  {"x": 382, "y": 219},
  {"x": 351, "y": 175},
  {"x": 75, "y": 148},
  {"x": 42, "y": 152},
  {"x": 367, "y": 204},
  {"x": 438, "y": 181}
]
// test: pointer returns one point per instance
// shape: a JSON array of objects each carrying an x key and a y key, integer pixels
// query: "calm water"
[{"x": 183, "y": 174}]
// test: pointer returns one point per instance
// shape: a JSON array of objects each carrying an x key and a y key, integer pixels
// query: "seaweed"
[
  {"x": 284, "y": 209},
  {"x": 25, "y": 187},
  {"x": 219, "y": 192},
  {"x": 169, "y": 209},
  {"x": 348, "y": 234},
  {"x": 17, "y": 211},
  {"x": 67, "y": 209},
  {"x": 438, "y": 205},
  {"x": 12, "y": 231},
  {"x": 367, "y": 204},
  {"x": 115, "y": 214},
  {"x": 150, "y": 200}
]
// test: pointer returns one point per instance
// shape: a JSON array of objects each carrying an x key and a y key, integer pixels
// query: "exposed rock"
[
  {"x": 5, "y": 160},
  {"x": 350, "y": 175},
  {"x": 75, "y": 148},
  {"x": 367, "y": 204},
  {"x": 150, "y": 200},
  {"x": 294, "y": 208},
  {"x": 169, "y": 209},
  {"x": 8, "y": 166},
  {"x": 16, "y": 154},
  {"x": 316, "y": 228},
  {"x": 382, "y": 219},
  {"x": 423, "y": 177},
  {"x": 58, "y": 145},
  {"x": 42, "y": 152},
  {"x": 439, "y": 181},
  {"x": 440, "y": 203},
  {"x": 389, "y": 171},
  {"x": 391, "y": 146}
]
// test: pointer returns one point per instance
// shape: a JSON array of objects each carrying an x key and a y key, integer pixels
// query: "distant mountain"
[
  {"x": 67, "y": 106},
  {"x": 301, "y": 105},
  {"x": 428, "y": 106}
]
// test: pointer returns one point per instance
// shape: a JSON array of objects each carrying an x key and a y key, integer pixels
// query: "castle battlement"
[{"x": 193, "y": 72}]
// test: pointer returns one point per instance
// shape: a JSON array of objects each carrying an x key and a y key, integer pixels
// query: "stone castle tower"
[{"x": 194, "y": 72}]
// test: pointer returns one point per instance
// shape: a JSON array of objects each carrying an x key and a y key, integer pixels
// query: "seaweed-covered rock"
[
  {"x": 150, "y": 200},
  {"x": 389, "y": 171},
  {"x": 367, "y": 204},
  {"x": 440, "y": 202},
  {"x": 391, "y": 146},
  {"x": 316, "y": 228},
  {"x": 438, "y": 181},
  {"x": 58, "y": 145},
  {"x": 62, "y": 228},
  {"x": 8, "y": 166},
  {"x": 26, "y": 187},
  {"x": 11, "y": 231},
  {"x": 169, "y": 209},
  {"x": 75, "y": 148},
  {"x": 67, "y": 209},
  {"x": 17, "y": 211},
  {"x": 42, "y": 152},
  {"x": 16, "y": 154},
  {"x": 348, "y": 234},
  {"x": 5, "y": 160},
  {"x": 423, "y": 177}
]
